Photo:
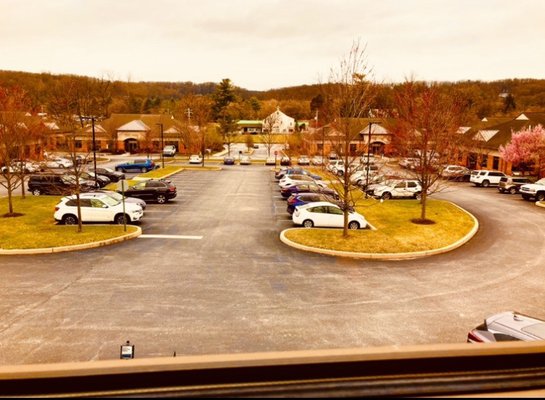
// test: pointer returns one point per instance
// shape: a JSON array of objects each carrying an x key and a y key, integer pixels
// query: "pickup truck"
[
  {"x": 138, "y": 165},
  {"x": 533, "y": 190}
]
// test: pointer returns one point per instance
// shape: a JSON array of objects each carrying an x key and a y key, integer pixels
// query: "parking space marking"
[{"x": 179, "y": 237}]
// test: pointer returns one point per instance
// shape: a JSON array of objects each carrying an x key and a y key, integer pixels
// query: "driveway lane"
[{"x": 239, "y": 289}]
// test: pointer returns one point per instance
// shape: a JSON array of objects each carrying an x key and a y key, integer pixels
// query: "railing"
[{"x": 514, "y": 368}]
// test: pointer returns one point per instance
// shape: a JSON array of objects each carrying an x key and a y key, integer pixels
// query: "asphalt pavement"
[{"x": 210, "y": 276}]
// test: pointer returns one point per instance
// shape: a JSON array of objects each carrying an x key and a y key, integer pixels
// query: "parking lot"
[{"x": 210, "y": 276}]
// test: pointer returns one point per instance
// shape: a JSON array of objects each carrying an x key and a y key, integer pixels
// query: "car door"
[
  {"x": 100, "y": 212},
  {"x": 412, "y": 188},
  {"x": 398, "y": 190},
  {"x": 319, "y": 216},
  {"x": 335, "y": 217}
]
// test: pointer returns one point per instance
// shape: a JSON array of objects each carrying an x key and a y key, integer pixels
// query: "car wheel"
[
  {"x": 540, "y": 196},
  {"x": 513, "y": 190},
  {"x": 485, "y": 183},
  {"x": 525, "y": 197},
  {"x": 61, "y": 166},
  {"x": 354, "y": 225},
  {"x": 500, "y": 190},
  {"x": 144, "y": 170},
  {"x": 386, "y": 196},
  {"x": 120, "y": 219},
  {"x": 161, "y": 199},
  {"x": 69, "y": 219},
  {"x": 36, "y": 192},
  {"x": 307, "y": 223},
  {"x": 418, "y": 196},
  {"x": 119, "y": 170}
]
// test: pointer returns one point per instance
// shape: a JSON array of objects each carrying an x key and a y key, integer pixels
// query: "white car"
[
  {"x": 317, "y": 160},
  {"x": 402, "y": 188},
  {"x": 295, "y": 179},
  {"x": 169, "y": 151},
  {"x": 96, "y": 209},
  {"x": 245, "y": 160},
  {"x": 59, "y": 162},
  {"x": 195, "y": 159},
  {"x": 270, "y": 161},
  {"x": 327, "y": 215},
  {"x": 303, "y": 160},
  {"x": 28, "y": 167}
]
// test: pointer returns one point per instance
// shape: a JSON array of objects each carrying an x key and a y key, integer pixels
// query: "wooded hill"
[{"x": 484, "y": 99}]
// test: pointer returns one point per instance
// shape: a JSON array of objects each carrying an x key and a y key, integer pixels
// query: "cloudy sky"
[{"x": 263, "y": 44}]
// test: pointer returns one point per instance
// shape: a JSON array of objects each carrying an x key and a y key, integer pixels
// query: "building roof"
[
  {"x": 504, "y": 131},
  {"x": 134, "y": 126}
]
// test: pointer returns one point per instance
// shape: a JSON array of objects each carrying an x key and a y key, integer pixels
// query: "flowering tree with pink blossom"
[{"x": 527, "y": 147}]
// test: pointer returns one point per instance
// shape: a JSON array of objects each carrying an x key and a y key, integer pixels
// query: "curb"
[
  {"x": 540, "y": 204},
  {"x": 85, "y": 246},
  {"x": 386, "y": 256}
]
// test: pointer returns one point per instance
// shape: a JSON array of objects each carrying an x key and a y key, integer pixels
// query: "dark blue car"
[
  {"x": 296, "y": 170},
  {"x": 306, "y": 188}
]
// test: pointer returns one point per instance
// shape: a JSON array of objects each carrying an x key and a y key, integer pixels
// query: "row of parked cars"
[{"x": 312, "y": 203}]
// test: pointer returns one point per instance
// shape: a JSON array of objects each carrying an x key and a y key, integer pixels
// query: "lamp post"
[
  {"x": 92, "y": 118},
  {"x": 162, "y": 146},
  {"x": 368, "y": 154}
]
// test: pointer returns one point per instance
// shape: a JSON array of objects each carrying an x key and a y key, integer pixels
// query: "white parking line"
[{"x": 144, "y": 236}]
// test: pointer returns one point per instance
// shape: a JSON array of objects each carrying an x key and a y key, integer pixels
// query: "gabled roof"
[
  {"x": 505, "y": 130},
  {"x": 134, "y": 126},
  {"x": 485, "y": 135}
]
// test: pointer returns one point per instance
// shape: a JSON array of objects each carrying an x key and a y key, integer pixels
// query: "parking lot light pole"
[
  {"x": 368, "y": 154},
  {"x": 92, "y": 118},
  {"x": 162, "y": 146}
]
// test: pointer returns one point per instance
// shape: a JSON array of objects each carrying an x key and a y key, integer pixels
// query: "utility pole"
[
  {"x": 92, "y": 118},
  {"x": 162, "y": 146}
]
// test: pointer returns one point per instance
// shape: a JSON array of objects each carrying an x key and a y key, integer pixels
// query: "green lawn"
[
  {"x": 395, "y": 232},
  {"x": 36, "y": 228}
]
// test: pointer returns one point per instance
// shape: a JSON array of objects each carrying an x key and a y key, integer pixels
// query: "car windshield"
[{"x": 110, "y": 200}]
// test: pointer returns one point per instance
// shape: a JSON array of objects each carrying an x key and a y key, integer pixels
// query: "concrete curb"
[
  {"x": 386, "y": 256},
  {"x": 540, "y": 204},
  {"x": 75, "y": 247}
]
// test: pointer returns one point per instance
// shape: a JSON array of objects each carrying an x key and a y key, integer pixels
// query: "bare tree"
[
  {"x": 267, "y": 134},
  {"x": 427, "y": 127},
  {"x": 201, "y": 114},
  {"x": 73, "y": 101},
  {"x": 17, "y": 132},
  {"x": 349, "y": 94}
]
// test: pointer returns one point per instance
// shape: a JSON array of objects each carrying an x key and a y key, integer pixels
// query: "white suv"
[
  {"x": 96, "y": 209},
  {"x": 169, "y": 151},
  {"x": 402, "y": 188},
  {"x": 485, "y": 178}
]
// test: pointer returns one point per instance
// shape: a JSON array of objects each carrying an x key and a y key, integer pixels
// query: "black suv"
[
  {"x": 56, "y": 184},
  {"x": 512, "y": 184},
  {"x": 159, "y": 190}
]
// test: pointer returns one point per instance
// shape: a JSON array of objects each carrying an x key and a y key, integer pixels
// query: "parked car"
[
  {"x": 408, "y": 162},
  {"x": 158, "y": 190},
  {"x": 245, "y": 160},
  {"x": 307, "y": 188},
  {"x": 16, "y": 166},
  {"x": 169, "y": 151},
  {"x": 512, "y": 184},
  {"x": 138, "y": 165},
  {"x": 295, "y": 170},
  {"x": 303, "y": 160},
  {"x": 229, "y": 160},
  {"x": 114, "y": 176},
  {"x": 486, "y": 178},
  {"x": 195, "y": 159},
  {"x": 327, "y": 215},
  {"x": 116, "y": 196},
  {"x": 58, "y": 162},
  {"x": 334, "y": 165},
  {"x": 101, "y": 208},
  {"x": 83, "y": 159},
  {"x": 285, "y": 160},
  {"x": 56, "y": 184},
  {"x": 270, "y": 161},
  {"x": 456, "y": 173},
  {"x": 533, "y": 190},
  {"x": 295, "y": 179},
  {"x": 298, "y": 199},
  {"x": 317, "y": 160},
  {"x": 508, "y": 326},
  {"x": 395, "y": 189},
  {"x": 101, "y": 180}
]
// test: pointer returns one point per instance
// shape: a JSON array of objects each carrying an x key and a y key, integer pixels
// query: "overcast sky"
[{"x": 264, "y": 44}]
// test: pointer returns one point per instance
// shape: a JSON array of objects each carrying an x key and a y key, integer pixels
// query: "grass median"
[
  {"x": 395, "y": 232},
  {"x": 37, "y": 229}
]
